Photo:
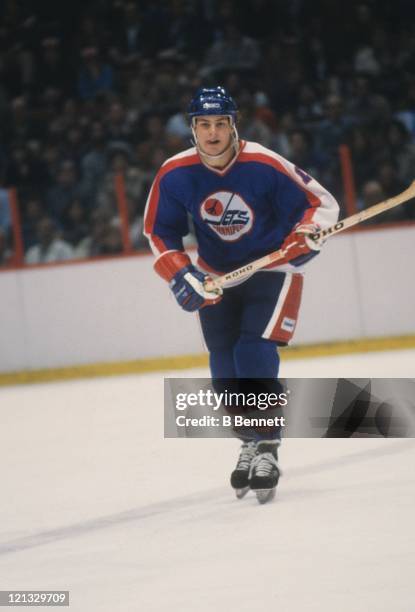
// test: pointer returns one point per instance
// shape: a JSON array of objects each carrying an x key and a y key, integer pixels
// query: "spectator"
[
  {"x": 94, "y": 77},
  {"x": 70, "y": 113},
  {"x": 359, "y": 102},
  {"x": 90, "y": 32},
  {"x": 52, "y": 73},
  {"x": 251, "y": 18},
  {"x": 65, "y": 190},
  {"x": 251, "y": 127},
  {"x": 117, "y": 125},
  {"x": 188, "y": 29},
  {"x": 112, "y": 243},
  {"x": 5, "y": 213},
  {"x": 51, "y": 156},
  {"x": 147, "y": 157},
  {"x": 303, "y": 154},
  {"x": 104, "y": 238},
  {"x": 74, "y": 145},
  {"x": 365, "y": 61},
  {"x": 5, "y": 253},
  {"x": 136, "y": 224},
  {"x": 26, "y": 168},
  {"x": 174, "y": 144},
  {"x": 74, "y": 223},
  {"x": 178, "y": 124},
  {"x": 120, "y": 164},
  {"x": 407, "y": 114},
  {"x": 387, "y": 175},
  {"x": 264, "y": 112},
  {"x": 130, "y": 39},
  {"x": 280, "y": 140},
  {"x": 379, "y": 114},
  {"x": 33, "y": 210},
  {"x": 331, "y": 131},
  {"x": 234, "y": 52},
  {"x": 388, "y": 178},
  {"x": 49, "y": 248},
  {"x": 94, "y": 163},
  {"x": 309, "y": 108},
  {"x": 402, "y": 150},
  {"x": 362, "y": 155},
  {"x": 21, "y": 125},
  {"x": 372, "y": 193},
  {"x": 151, "y": 129},
  {"x": 19, "y": 63},
  {"x": 4, "y": 108}
]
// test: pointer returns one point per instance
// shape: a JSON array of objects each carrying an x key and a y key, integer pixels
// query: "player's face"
[{"x": 213, "y": 134}]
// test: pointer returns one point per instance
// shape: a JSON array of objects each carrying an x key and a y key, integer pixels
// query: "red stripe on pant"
[{"x": 289, "y": 311}]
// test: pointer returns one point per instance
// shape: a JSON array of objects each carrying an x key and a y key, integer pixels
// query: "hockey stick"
[{"x": 338, "y": 227}]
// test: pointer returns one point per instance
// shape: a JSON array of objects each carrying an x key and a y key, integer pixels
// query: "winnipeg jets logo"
[{"x": 227, "y": 215}]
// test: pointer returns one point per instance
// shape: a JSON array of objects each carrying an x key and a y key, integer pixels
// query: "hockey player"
[{"x": 245, "y": 201}]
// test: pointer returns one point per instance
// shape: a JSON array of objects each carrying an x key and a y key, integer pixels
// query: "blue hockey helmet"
[{"x": 212, "y": 101}]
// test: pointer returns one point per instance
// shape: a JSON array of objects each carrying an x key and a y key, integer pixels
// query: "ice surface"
[{"x": 95, "y": 501}]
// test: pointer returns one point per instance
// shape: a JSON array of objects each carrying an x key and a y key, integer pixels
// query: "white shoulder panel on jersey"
[{"x": 326, "y": 212}]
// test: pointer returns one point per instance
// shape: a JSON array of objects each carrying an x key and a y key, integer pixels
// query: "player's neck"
[{"x": 221, "y": 161}]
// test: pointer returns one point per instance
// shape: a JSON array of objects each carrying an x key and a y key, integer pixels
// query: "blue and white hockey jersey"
[{"x": 240, "y": 213}]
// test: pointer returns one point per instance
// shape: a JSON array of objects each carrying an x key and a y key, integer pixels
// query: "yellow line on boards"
[
  {"x": 363, "y": 345},
  {"x": 186, "y": 362},
  {"x": 117, "y": 368}
]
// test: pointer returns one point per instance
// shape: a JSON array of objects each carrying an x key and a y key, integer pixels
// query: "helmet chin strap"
[{"x": 234, "y": 142}]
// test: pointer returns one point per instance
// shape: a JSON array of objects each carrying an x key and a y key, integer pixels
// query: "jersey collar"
[{"x": 225, "y": 169}]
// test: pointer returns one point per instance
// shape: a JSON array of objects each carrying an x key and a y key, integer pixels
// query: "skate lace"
[
  {"x": 248, "y": 452},
  {"x": 263, "y": 464}
]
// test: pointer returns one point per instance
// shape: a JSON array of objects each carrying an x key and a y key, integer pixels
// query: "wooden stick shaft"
[
  {"x": 368, "y": 213},
  {"x": 338, "y": 227}
]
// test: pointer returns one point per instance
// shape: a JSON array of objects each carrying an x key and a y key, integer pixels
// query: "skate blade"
[
  {"x": 240, "y": 493},
  {"x": 265, "y": 495}
]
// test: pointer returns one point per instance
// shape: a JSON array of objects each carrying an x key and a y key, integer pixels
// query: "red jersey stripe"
[{"x": 285, "y": 324}]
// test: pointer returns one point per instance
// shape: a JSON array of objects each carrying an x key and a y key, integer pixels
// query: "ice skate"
[
  {"x": 240, "y": 475},
  {"x": 240, "y": 493},
  {"x": 265, "y": 472}
]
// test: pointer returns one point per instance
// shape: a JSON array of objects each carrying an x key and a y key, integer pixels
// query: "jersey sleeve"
[
  {"x": 304, "y": 200},
  {"x": 297, "y": 199},
  {"x": 165, "y": 225},
  {"x": 165, "y": 218}
]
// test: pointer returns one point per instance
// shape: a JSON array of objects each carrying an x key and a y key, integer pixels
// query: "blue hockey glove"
[{"x": 188, "y": 289}]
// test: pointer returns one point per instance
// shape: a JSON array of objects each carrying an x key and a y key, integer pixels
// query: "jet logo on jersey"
[{"x": 227, "y": 214}]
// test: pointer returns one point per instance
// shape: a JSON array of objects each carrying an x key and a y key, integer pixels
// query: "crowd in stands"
[{"x": 89, "y": 90}]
